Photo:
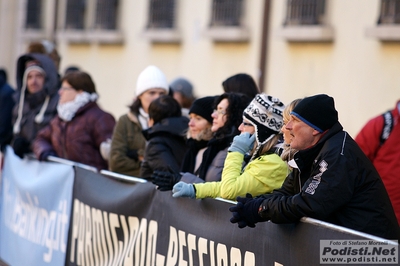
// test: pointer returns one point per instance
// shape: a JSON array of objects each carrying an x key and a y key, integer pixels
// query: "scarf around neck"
[
  {"x": 189, "y": 160},
  {"x": 143, "y": 119},
  {"x": 66, "y": 111},
  {"x": 214, "y": 146}
]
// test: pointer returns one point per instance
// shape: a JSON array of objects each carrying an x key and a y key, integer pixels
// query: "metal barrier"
[
  {"x": 71, "y": 163},
  {"x": 128, "y": 178},
  {"x": 132, "y": 179}
]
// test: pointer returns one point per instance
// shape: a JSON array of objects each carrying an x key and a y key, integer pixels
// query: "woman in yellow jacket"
[{"x": 261, "y": 140}]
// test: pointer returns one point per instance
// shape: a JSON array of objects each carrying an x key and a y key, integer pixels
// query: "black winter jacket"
[
  {"x": 166, "y": 146},
  {"x": 334, "y": 182}
]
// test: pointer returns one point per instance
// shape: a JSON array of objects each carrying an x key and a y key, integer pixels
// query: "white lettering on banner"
[
  {"x": 24, "y": 217},
  {"x": 94, "y": 239},
  {"x": 102, "y": 238},
  {"x": 177, "y": 242}
]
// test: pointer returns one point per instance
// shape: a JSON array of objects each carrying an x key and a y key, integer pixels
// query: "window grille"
[
  {"x": 75, "y": 18},
  {"x": 390, "y": 12},
  {"x": 226, "y": 12},
  {"x": 304, "y": 12},
  {"x": 161, "y": 14},
  {"x": 106, "y": 14},
  {"x": 33, "y": 14}
]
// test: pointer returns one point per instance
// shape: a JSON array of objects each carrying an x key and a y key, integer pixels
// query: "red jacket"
[
  {"x": 79, "y": 139},
  {"x": 386, "y": 158}
]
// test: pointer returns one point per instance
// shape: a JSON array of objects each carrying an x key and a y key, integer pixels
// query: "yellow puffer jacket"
[{"x": 261, "y": 176}]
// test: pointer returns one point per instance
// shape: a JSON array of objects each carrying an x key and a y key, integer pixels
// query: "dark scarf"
[
  {"x": 36, "y": 99},
  {"x": 189, "y": 160},
  {"x": 214, "y": 146}
]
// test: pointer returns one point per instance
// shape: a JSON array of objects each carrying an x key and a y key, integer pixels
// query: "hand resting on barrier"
[
  {"x": 182, "y": 189},
  {"x": 245, "y": 212}
]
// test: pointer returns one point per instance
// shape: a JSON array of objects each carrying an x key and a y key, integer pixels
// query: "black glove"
[
  {"x": 165, "y": 180},
  {"x": 21, "y": 146},
  {"x": 245, "y": 213},
  {"x": 133, "y": 154},
  {"x": 45, "y": 155}
]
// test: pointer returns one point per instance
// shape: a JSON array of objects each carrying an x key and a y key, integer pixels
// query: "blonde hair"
[
  {"x": 267, "y": 145},
  {"x": 288, "y": 152},
  {"x": 205, "y": 134}
]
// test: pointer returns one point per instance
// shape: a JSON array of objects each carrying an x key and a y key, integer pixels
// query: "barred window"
[
  {"x": 75, "y": 14},
  {"x": 33, "y": 14},
  {"x": 226, "y": 12},
  {"x": 161, "y": 14},
  {"x": 304, "y": 12},
  {"x": 390, "y": 12},
  {"x": 106, "y": 14}
]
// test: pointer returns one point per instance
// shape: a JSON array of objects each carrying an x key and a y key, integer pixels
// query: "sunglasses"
[{"x": 247, "y": 124}]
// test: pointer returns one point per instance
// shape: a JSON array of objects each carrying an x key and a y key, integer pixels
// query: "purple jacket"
[{"x": 79, "y": 139}]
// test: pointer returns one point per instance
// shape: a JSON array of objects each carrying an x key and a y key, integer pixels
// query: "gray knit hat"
[{"x": 183, "y": 86}]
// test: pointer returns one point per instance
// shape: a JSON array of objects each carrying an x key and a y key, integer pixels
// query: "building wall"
[
  {"x": 116, "y": 67},
  {"x": 359, "y": 71}
]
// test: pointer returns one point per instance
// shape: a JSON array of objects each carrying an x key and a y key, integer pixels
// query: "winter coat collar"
[
  {"x": 172, "y": 125},
  {"x": 305, "y": 158},
  {"x": 133, "y": 117}
]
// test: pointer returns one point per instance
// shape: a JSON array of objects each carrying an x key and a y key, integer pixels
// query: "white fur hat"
[{"x": 150, "y": 78}]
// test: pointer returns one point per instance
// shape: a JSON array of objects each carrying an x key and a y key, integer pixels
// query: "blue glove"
[
  {"x": 242, "y": 143},
  {"x": 245, "y": 213},
  {"x": 182, "y": 189}
]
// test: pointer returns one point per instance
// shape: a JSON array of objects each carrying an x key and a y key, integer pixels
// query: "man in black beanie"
[{"x": 333, "y": 180}]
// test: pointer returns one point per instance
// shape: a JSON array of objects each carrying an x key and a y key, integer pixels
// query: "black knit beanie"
[
  {"x": 203, "y": 107},
  {"x": 317, "y": 111}
]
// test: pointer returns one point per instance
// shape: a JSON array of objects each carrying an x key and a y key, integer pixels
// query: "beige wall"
[
  {"x": 359, "y": 71},
  {"x": 116, "y": 67}
]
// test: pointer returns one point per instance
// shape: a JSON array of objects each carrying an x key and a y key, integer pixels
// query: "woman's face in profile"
[
  {"x": 148, "y": 96},
  {"x": 197, "y": 125},
  {"x": 67, "y": 93},
  {"x": 246, "y": 126},
  {"x": 219, "y": 115}
]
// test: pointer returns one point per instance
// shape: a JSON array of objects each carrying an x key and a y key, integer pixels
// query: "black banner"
[{"x": 120, "y": 223}]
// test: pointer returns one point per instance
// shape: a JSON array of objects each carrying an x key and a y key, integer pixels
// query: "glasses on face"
[
  {"x": 219, "y": 112},
  {"x": 247, "y": 124},
  {"x": 66, "y": 88}
]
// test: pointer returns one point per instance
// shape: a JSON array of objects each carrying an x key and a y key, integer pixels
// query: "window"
[
  {"x": 91, "y": 14},
  {"x": 226, "y": 13},
  {"x": 305, "y": 22},
  {"x": 33, "y": 14},
  {"x": 106, "y": 14},
  {"x": 161, "y": 14},
  {"x": 226, "y": 23},
  {"x": 75, "y": 14},
  {"x": 86, "y": 21},
  {"x": 388, "y": 26},
  {"x": 390, "y": 12},
  {"x": 161, "y": 24},
  {"x": 304, "y": 12}
]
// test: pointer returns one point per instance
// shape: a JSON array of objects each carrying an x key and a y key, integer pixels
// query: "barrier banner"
[
  {"x": 35, "y": 204},
  {"x": 120, "y": 223}
]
